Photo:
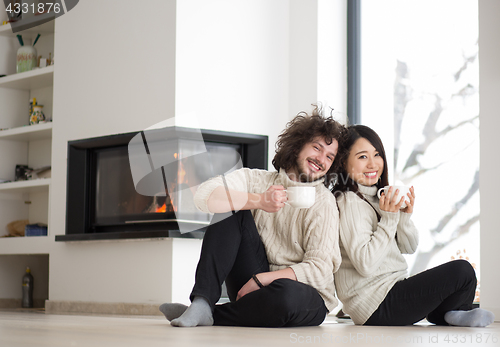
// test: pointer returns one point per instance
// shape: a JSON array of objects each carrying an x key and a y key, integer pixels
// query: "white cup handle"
[
  {"x": 378, "y": 192},
  {"x": 286, "y": 202}
]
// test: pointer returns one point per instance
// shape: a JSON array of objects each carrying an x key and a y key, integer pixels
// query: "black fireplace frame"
[{"x": 81, "y": 158}]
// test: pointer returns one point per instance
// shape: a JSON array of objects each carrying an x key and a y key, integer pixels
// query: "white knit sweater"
[
  {"x": 305, "y": 240},
  {"x": 372, "y": 260}
]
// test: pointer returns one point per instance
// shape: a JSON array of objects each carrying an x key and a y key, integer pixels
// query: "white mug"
[
  {"x": 301, "y": 197},
  {"x": 403, "y": 191}
]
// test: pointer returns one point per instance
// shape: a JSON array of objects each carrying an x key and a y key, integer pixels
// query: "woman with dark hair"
[{"x": 372, "y": 280}]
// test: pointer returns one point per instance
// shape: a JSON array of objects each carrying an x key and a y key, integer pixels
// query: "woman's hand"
[
  {"x": 390, "y": 205},
  {"x": 409, "y": 205}
]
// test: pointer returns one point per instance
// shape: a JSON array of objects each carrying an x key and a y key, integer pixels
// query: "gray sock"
[
  {"x": 198, "y": 313},
  {"x": 473, "y": 318},
  {"x": 172, "y": 311}
]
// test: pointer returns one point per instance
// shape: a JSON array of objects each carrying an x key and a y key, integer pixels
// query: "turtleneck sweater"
[
  {"x": 306, "y": 240},
  {"x": 372, "y": 260}
]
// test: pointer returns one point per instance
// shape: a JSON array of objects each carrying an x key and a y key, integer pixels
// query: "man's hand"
[
  {"x": 249, "y": 287},
  {"x": 265, "y": 279},
  {"x": 273, "y": 199}
]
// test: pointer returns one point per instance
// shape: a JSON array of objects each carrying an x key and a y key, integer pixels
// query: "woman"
[{"x": 374, "y": 233}]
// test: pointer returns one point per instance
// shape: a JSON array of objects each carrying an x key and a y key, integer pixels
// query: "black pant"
[
  {"x": 429, "y": 294},
  {"x": 233, "y": 251}
]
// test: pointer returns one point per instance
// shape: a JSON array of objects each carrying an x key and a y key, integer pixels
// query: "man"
[{"x": 277, "y": 261}]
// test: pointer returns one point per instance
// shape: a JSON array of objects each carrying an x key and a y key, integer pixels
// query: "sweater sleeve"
[
  {"x": 365, "y": 241},
  {"x": 238, "y": 180},
  {"x": 321, "y": 246},
  {"x": 407, "y": 234}
]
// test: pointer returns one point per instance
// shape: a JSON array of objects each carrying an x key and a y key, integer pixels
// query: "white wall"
[
  {"x": 224, "y": 62},
  {"x": 489, "y": 78},
  {"x": 232, "y": 65},
  {"x": 318, "y": 59},
  {"x": 115, "y": 73},
  {"x": 332, "y": 57}
]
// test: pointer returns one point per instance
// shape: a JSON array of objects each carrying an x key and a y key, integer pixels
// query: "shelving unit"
[
  {"x": 21, "y": 143},
  {"x": 24, "y": 144}
]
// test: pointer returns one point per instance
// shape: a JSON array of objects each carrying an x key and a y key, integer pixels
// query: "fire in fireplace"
[{"x": 141, "y": 184}]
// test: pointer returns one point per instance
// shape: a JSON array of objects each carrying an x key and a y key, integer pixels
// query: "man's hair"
[{"x": 304, "y": 128}]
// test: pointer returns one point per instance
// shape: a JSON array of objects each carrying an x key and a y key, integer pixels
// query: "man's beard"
[{"x": 303, "y": 176}]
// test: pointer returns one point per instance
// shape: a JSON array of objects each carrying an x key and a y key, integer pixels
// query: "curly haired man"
[{"x": 277, "y": 261}]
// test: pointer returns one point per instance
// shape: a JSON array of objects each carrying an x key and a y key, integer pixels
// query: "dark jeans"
[
  {"x": 429, "y": 294},
  {"x": 233, "y": 251}
]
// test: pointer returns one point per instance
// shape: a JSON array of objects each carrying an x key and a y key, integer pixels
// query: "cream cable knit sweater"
[
  {"x": 372, "y": 260},
  {"x": 305, "y": 240}
]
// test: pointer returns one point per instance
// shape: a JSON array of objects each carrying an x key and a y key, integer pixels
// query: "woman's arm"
[
  {"x": 365, "y": 240},
  {"x": 407, "y": 234}
]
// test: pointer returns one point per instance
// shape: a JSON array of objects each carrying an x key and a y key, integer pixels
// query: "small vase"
[
  {"x": 37, "y": 115},
  {"x": 26, "y": 58}
]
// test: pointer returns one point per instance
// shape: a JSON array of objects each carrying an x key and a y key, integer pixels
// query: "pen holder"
[{"x": 26, "y": 58}]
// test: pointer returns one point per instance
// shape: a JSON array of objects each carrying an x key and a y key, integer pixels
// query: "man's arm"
[{"x": 222, "y": 200}]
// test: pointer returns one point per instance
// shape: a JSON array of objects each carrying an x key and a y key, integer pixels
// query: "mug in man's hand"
[
  {"x": 403, "y": 191},
  {"x": 301, "y": 197}
]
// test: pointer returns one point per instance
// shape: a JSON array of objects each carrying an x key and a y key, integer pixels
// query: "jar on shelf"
[
  {"x": 26, "y": 58},
  {"x": 37, "y": 115}
]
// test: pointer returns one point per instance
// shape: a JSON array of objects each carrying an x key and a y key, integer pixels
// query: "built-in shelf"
[
  {"x": 45, "y": 28},
  {"x": 25, "y": 245},
  {"x": 33, "y": 79},
  {"x": 28, "y": 133},
  {"x": 30, "y": 186}
]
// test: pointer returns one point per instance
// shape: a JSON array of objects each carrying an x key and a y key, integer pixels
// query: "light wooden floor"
[{"x": 35, "y": 328}]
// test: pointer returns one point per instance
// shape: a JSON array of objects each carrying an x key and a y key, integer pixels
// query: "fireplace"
[{"x": 141, "y": 184}]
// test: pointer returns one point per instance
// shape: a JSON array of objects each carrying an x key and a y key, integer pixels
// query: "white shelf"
[
  {"x": 28, "y": 133},
  {"x": 31, "y": 186},
  {"x": 46, "y": 28},
  {"x": 25, "y": 245},
  {"x": 33, "y": 79}
]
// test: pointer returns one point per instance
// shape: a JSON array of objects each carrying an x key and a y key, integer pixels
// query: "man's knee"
[{"x": 292, "y": 296}]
